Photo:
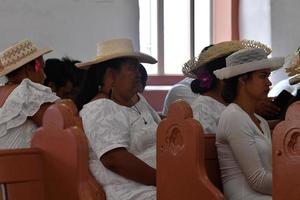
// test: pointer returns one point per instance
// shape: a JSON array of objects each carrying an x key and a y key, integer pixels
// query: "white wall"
[
  {"x": 255, "y": 20},
  {"x": 274, "y": 22},
  {"x": 285, "y": 29},
  {"x": 70, "y": 27}
]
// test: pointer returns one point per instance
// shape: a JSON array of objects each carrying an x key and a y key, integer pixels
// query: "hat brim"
[
  {"x": 143, "y": 58},
  {"x": 294, "y": 80},
  {"x": 6, "y": 70},
  {"x": 231, "y": 71}
]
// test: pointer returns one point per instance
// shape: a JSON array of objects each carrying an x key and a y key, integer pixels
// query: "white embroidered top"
[
  {"x": 207, "y": 111},
  {"x": 245, "y": 155},
  {"x": 181, "y": 90},
  {"x": 107, "y": 126},
  {"x": 24, "y": 101}
]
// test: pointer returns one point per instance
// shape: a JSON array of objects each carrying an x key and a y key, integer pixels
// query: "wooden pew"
[
  {"x": 286, "y": 156},
  {"x": 56, "y": 167},
  {"x": 183, "y": 157}
]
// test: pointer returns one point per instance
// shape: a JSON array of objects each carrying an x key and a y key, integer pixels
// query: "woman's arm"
[
  {"x": 242, "y": 141},
  {"x": 125, "y": 164}
]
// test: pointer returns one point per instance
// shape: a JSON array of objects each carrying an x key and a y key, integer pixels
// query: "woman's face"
[
  {"x": 128, "y": 78},
  {"x": 258, "y": 84}
]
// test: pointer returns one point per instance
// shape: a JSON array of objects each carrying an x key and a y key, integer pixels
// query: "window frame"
[{"x": 224, "y": 26}]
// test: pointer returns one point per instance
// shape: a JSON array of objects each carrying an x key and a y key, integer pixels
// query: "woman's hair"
[
  {"x": 94, "y": 79},
  {"x": 229, "y": 91},
  {"x": 144, "y": 75},
  {"x": 206, "y": 80},
  {"x": 55, "y": 73}
]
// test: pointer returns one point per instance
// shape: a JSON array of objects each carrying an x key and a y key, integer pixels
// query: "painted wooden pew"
[
  {"x": 187, "y": 166},
  {"x": 56, "y": 167},
  {"x": 286, "y": 156}
]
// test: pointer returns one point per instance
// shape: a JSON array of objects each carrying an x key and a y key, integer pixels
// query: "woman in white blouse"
[
  {"x": 23, "y": 97},
  {"x": 209, "y": 105},
  {"x": 243, "y": 138},
  {"x": 121, "y": 131}
]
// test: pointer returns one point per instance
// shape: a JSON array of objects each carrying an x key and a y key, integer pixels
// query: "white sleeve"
[
  {"x": 23, "y": 102},
  {"x": 240, "y": 136},
  {"x": 106, "y": 126},
  {"x": 176, "y": 93},
  {"x": 205, "y": 116}
]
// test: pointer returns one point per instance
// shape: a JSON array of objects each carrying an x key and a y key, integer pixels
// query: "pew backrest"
[
  {"x": 181, "y": 165},
  {"x": 286, "y": 155},
  {"x": 57, "y": 165}
]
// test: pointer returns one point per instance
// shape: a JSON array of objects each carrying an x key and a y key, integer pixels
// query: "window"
[{"x": 173, "y": 32}]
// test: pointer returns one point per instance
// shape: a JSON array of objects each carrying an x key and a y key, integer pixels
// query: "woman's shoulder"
[
  {"x": 233, "y": 111},
  {"x": 101, "y": 108},
  {"x": 206, "y": 101}
]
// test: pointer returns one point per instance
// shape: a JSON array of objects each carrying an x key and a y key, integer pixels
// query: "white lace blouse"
[
  {"x": 107, "y": 126},
  {"x": 24, "y": 101},
  {"x": 207, "y": 111},
  {"x": 245, "y": 155}
]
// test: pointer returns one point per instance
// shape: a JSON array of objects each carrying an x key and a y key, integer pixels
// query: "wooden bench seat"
[{"x": 56, "y": 167}]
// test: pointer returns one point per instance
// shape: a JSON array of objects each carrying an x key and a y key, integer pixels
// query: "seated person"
[
  {"x": 23, "y": 97},
  {"x": 243, "y": 138},
  {"x": 121, "y": 133},
  {"x": 180, "y": 90},
  {"x": 141, "y": 88},
  {"x": 293, "y": 70},
  {"x": 209, "y": 105},
  {"x": 63, "y": 77}
]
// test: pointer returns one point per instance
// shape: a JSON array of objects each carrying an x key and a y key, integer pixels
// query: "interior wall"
[
  {"x": 255, "y": 20},
  {"x": 285, "y": 30},
  {"x": 70, "y": 27},
  {"x": 273, "y": 22}
]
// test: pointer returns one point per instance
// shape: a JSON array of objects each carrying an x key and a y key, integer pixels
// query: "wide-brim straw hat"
[
  {"x": 116, "y": 48},
  {"x": 219, "y": 50},
  {"x": 18, "y": 55},
  {"x": 292, "y": 67},
  {"x": 248, "y": 60}
]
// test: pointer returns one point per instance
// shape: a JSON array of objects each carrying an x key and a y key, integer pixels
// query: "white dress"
[
  {"x": 245, "y": 155},
  {"x": 24, "y": 101},
  {"x": 207, "y": 111},
  {"x": 107, "y": 126},
  {"x": 181, "y": 90}
]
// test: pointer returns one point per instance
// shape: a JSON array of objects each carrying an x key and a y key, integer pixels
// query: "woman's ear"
[{"x": 243, "y": 79}]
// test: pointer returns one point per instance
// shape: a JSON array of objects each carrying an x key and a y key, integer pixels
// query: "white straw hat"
[
  {"x": 18, "y": 55},
  {"x": 116, "y": 48},
  {"x": 217, "y": 51},
  {"x": 247, "y": 60}
]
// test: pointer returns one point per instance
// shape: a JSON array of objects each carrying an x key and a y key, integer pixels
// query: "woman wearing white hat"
[
  {"x": 120, "y": 131},
  {"x": 208, "y": 106},
  {"x": 23, "y": 97},
  {"x": 243, "y": 138}
]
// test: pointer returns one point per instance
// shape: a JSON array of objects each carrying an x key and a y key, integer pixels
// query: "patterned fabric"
[
  {"x": 245, "y": 155},
  {"x": 108, "y": 126},
  {"x": 207, "y": 111},
  {"x": 181, "y": 90},
  {"x": 24, "y": 101}
]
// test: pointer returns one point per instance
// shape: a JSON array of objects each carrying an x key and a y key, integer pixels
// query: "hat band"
[
  {"x": 16, "y": 54},
  {"x": 247, "y": 59}
]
